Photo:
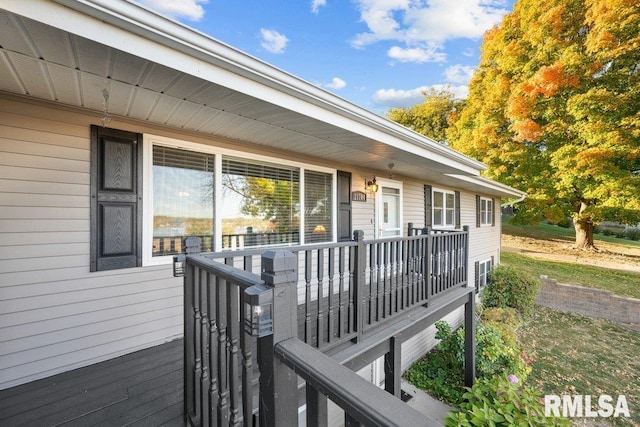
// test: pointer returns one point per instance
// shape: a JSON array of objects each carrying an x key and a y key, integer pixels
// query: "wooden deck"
[{"x": 144, "y": 388}]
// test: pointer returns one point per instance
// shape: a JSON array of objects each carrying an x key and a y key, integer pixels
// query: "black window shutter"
[
  {"x": 457, "y": 224},
  {"x": 478, "y": 219},
  {"x": 427, "y": 206},
  {"x": 493, "y": 212},
  {"x": 344, "y": 206},
  {"x": 116, "y": 199}
]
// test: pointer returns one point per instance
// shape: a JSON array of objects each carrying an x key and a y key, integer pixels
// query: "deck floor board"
[{"x": 143, "y": 388}]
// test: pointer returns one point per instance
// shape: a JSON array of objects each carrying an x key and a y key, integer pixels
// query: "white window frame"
[
  {"x": 150, "y": 140},
  {"x": 486, "y": 214},
  {"x": 482, "y": 277},
  {"x": 444, "y": 208}
]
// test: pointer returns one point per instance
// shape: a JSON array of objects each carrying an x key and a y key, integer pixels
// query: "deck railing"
[{"x": 343, "y": 292}]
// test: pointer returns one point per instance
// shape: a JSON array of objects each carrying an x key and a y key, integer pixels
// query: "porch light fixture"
[
  {"x": 372, "y": 186},
  {"x": 258, "y": 311}
]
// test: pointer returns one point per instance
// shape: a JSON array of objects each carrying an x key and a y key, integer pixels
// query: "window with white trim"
[
  {"x": 486, "y": 211},
  {"x": 444, "y": 208},
  {"x": 484, "y": 268},
  {"x": 231, "y": 200}
]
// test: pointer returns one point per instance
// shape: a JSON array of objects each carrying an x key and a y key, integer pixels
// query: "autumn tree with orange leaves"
[{"x": 554, "y": 110}]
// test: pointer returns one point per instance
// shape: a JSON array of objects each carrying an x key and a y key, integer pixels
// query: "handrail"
[
  {"x": 361, "y": 400},
  {"x": 243, "y": 279}
]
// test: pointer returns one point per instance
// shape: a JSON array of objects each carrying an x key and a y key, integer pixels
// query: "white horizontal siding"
[
  {"x": 54, "y": 314},
  {"x": 416, "y": 347}
]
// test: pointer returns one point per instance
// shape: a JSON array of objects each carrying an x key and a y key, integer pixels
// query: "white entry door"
[{"x": 389, "y": 209}]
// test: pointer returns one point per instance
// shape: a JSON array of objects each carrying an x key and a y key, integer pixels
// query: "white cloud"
[
  {"x": 273, "y": 41},
  {"x": 390, "y": 98},
  {"x": 190, "y": 9},
  {"x": 336, "y": 83},
  {"x": 459, "y": 73},
  {"x": 317, "y": 4},
  {"x": 426, "y": 23},
  {"x": 468, "y": 52},
  {"x": 417, "y": 54}
]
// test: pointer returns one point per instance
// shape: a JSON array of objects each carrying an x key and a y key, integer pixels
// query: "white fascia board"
[
  {"x": 490, "y": 186},
  {"x": 134, "y": 29}
]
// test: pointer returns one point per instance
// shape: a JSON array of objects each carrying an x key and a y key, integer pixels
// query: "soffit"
[{"x": 54, "y": 65}]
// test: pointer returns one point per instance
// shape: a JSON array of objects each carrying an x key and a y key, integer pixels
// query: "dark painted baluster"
[
  {"x": 372, "y": 284},
  {"x": 405, "y": 273},
  {"x": 196, "y": 344},
  {"x": 330, "y": 297},
  {"x": 307, "y": 296},
  {"x": 379, "y": 295},
  {"x": 189, "y": 336},
  {"x": 246, "y": 348},
  {"x": 233, "y": 322},
  {"x": 223, "y": 385},
  {"x": 341, "y": 265},
  {"x": 351, "y": 302},
  {"x": 320, "y": 318},
  {"x": 204, "y": 346},
  {"x": 248, "y": 263},
  {"x": 386, "y": 278},
  {"x": 358, "y": 286},
  {"x": 212, "y": 294}
]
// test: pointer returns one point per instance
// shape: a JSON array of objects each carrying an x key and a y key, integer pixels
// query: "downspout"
[{"x": 513, "y": 202}]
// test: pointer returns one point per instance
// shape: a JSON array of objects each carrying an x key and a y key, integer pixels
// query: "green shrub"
[
  {"x": 501, "y": 401},
  {"x": 565, "y": 223},
  {"x": 441, "y": 371},
  {"x": 507, "y": 287},
  {"x": 633, "y": 234}
]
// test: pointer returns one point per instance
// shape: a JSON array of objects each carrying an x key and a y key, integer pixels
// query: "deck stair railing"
[{"x": 344, "y": 291}]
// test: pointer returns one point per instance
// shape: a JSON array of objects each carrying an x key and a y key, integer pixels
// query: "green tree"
[
  {"x": 432, "y": 117},
  {"x": 554, "y": 109}
]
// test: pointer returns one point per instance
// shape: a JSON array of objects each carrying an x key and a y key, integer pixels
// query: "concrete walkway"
[{"x": 426, "y": 404}]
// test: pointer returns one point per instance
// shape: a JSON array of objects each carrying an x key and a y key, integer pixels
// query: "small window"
[
  {"x": 484, "y": 268},
  {"x": 486, "y": 211},
  {"x": 444, "y": 209}
]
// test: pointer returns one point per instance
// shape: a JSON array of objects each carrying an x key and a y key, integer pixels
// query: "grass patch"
[
  {"x": 547, "y": 231},
  {"x": 622, "y": 283},
  {"x": 581, "y": 355}
]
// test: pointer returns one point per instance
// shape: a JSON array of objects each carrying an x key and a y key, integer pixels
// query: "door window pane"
[{"x": 182, "y": 199}]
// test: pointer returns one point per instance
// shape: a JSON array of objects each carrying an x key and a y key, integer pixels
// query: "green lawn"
[
  {"x": 582, "y": 355},
  {"x": 626, "y": 284},
  {"x": 547, "y": 231}
]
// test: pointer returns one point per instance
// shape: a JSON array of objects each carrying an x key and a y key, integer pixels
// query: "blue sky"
[{"x": 376, "y": 53}]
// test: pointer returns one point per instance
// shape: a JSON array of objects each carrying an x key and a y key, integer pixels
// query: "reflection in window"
[
  {"x": 182, "y": 199},
  {"x": 318, "y": 207},
  {"x": 261, "y": 204}
]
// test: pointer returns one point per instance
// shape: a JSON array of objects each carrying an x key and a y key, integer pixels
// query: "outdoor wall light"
[
  {"x": 372, "y": 186},
  {"x": 258, "y": 311}
]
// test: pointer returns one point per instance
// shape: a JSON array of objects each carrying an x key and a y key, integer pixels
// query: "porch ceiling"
[{"x": 53, "y": 64}]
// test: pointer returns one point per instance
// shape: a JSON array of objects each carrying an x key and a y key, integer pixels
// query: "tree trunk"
[{"x": 584, "y": 229}]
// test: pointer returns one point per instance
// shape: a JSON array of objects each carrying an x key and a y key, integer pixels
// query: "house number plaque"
[{"x": 358, "y": 196}]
